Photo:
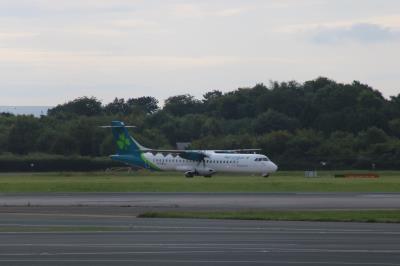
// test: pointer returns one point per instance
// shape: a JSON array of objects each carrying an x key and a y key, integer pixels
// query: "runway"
[
  {"x": 207, "y": 201},
  {"x": 197, "y": 242},
  {"x": 124, "y": 239}
]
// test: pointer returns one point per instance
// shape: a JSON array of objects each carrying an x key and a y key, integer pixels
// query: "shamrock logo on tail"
[{"x": 123, "y": 142}]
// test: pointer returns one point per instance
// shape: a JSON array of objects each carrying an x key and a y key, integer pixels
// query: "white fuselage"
[{"x": 214, "y": 162}]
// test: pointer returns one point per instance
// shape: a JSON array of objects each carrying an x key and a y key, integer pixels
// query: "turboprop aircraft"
[{"x": 190, "y": 162}]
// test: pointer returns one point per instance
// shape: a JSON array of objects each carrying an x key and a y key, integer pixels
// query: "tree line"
[{"x": 318, "y": 123}]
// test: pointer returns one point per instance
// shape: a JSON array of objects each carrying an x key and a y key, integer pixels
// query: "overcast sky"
[{"x": 52, "y": 51}]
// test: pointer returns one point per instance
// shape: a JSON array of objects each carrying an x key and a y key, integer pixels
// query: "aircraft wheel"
[
  {"x": 207, "y": 176},
  {"x": 188, "y": 175},
  {"x": 265, "y": 175}
]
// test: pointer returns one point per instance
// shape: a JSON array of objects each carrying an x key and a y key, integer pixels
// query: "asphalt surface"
[
  {"x": 196, "y": 242},
  {"x": 207, "y": 201},
  {"x": 133, "y": 241}
]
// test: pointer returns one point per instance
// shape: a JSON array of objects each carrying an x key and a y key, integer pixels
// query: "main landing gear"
[{"x": 191, "y": 174}]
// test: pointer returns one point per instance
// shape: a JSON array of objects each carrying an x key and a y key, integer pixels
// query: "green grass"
[
  {"x": 144, "y": 181},
  {"x": 386, "y": 216}
]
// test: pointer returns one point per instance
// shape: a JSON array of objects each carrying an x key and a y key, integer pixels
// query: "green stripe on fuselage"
[{"x": 149, "y": 163}]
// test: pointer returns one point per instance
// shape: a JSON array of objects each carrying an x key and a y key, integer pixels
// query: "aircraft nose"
[{"x": 273, "y": 167}]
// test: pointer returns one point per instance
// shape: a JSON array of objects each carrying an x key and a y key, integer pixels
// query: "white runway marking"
[
  {"x": 208, "y": 229},
  {"x": 197, "y": 232},
  {"x": 264, "y": 262},
  {"x": 254, "y": 250}
]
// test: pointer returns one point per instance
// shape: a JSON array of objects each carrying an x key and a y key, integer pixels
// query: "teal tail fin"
[{"x": 125, "y": 143}]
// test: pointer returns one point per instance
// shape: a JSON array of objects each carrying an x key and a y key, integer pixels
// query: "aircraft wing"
[
  {"x": 238, "y": 150},
  {"x": 199, "y": 151}
]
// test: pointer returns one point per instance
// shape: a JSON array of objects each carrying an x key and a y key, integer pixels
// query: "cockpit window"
[{"x": 261, "y": 159}]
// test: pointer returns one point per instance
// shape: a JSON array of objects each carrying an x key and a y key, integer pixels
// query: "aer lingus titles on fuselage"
[{"x": 190, "y": 162}]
